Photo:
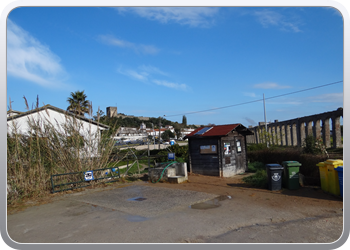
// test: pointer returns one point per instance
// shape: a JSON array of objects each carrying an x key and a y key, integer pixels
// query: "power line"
[{"x": 243, "y": 103}]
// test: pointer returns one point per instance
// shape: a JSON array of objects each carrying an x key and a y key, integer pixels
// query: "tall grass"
[{"x": 49, "y": 147}]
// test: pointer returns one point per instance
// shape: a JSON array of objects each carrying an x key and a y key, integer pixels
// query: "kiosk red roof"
[{"x": 220, "y": 130}]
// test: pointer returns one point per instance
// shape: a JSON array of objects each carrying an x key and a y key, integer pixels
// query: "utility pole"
[
  {"x": 154, "y": 137},
  {"x": 159, "y": 134},
  {"x": 267, "y": 143},
  {"x": 148, "y": 141}
]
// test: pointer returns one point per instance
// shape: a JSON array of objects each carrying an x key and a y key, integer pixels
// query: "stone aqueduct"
[{"x": 293, "y": 132}]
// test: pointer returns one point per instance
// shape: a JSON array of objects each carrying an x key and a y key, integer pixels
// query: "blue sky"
[{"x": 156, "y": 61}]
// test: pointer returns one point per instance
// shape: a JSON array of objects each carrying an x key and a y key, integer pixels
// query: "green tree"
[
  {"x": 269, "y": 138},
  {"x": 78, "y": 103},
  {"x": 167, "y": 135},
  {"x": 312, "y": 145},
  {"x": 177, "y": 129},
  {"x": 184, "y": 121},
  {"x": 99, "y": 115}
]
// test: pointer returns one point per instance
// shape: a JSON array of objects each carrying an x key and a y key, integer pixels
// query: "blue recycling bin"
[{"x": 340, "y": 177}]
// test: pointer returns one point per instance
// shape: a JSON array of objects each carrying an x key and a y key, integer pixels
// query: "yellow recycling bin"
[
  {"x": 323, "y": 176},
  {"x": 333, "y": 179}
]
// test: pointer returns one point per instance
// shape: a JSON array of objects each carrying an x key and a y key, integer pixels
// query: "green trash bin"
[{"x": 291, "y": 174}]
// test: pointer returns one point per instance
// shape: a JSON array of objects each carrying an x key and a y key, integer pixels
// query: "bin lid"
[
  {"x": 321, "y": 164},
  {"x": 291, "y": 164},
  {"x": 339, "y": 168},
  {"x": 274, "y": 166},
  {"x": 334, "y": 162}
]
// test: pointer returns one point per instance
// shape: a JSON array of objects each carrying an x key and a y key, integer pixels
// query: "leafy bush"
[
  {"x": 181, "y": 153},
  {"x": 257, "y": 146},
  {"x": 258, "y": 180},
  {"x": 309, "y": 146},
  {"x": 255, "y": 166}
]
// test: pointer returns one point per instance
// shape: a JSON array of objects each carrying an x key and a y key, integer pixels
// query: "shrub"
[
  {"x": 255, "y": 166},
  {"x": 181, "y": 153},
  {"x": 256, "y": 146},
  {"x": 258, "y": 180},
  {"x": 309, "y": 146}
]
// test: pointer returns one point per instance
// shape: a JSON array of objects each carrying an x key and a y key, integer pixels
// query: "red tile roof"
[{"x": 220, "y": 130}]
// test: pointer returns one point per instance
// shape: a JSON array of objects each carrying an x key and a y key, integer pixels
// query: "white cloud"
[
  {"x": 269, "y": 18},
  {"x": 250, "y": 94},
  {"x": 171, "y": 85},
  {"x": 331, "y": 97},
  {"x": 152, "y": 70},
  {"x": 138, "y": 48},
  {"x": 192, "y": 16},
  {"x": 28, "y": 59},
  {"x": 285, "y": 102},
  {"x": 141, "y": 76},
  {"x": 145, "y": 74},
  {"x": 270, "y": 85}
]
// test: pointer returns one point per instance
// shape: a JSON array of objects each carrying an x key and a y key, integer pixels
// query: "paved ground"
[{"x": 204, "y": 210}]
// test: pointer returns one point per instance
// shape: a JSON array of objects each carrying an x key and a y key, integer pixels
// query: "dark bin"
[
  {"x": 291, "y": 174},
  {"x": 274, "y": 176}
]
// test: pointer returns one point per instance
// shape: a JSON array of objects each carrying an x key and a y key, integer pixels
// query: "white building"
[
  {"x": 59, "y": 120},
  {"x": 13, "y": 113},
  {"x": 186, "y": 131},
  {"x": 142, "y": 133}
]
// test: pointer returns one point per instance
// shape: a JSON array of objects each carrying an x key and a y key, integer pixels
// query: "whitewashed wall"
[{"x": 90, "y": 131}]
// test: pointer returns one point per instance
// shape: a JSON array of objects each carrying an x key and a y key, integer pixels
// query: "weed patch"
[{"x": 258, "y": 180}]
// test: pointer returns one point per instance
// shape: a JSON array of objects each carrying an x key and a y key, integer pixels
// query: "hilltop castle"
[{"x": 113, "y": 112}]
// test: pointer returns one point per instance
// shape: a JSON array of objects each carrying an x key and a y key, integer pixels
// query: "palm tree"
[{"x": 78, "y": 103}]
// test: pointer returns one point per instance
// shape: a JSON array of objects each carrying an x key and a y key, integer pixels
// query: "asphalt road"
[{"x": 143, "y": 212}]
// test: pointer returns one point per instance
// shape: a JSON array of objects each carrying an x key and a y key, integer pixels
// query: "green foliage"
[
  {"x": 311, "y": 145},
  {"x": 78, "y": 103},
  {"x": 255, "y": 166},
  {"x": 177, "y": 129},
  {"x": 181, "y": 152},
  {"x": 167, "y": 134},
  {"x": 184, "y": 121},
  {"x": 266, "y": 137},
  {"x": 258, "y": 180},
  {"x": 256, "y": 146}
]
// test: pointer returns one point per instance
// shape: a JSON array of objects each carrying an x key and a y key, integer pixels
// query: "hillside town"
[{"x": 129, "y": 134}]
